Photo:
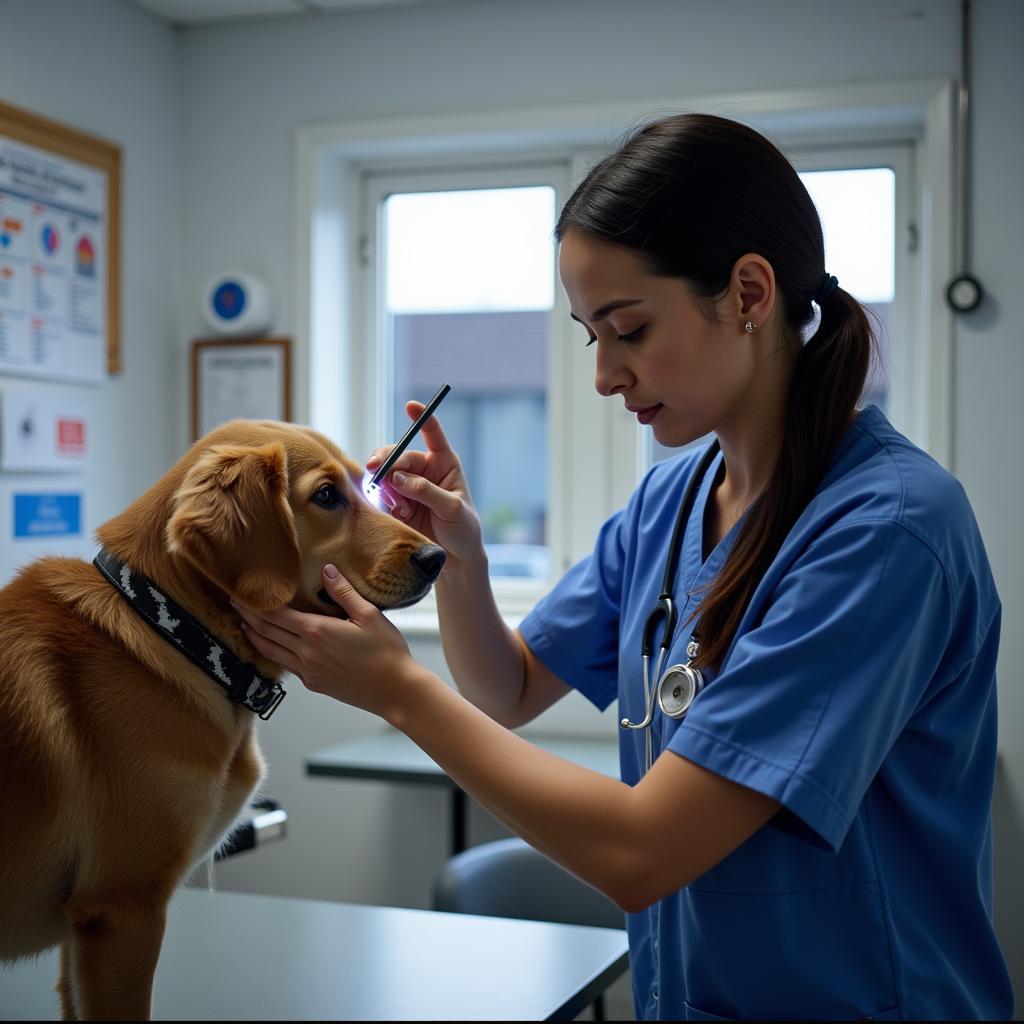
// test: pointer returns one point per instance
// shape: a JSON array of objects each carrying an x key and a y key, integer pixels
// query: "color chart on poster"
[{"x": 53, "y": 220}]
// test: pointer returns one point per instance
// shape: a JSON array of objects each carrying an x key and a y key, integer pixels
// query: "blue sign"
[
  {"x": 47, "y": 515},
  {"x": 229, "y": 300}
]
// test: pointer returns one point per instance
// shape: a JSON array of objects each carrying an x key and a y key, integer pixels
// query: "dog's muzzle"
[{"x": 427, "y": 561}]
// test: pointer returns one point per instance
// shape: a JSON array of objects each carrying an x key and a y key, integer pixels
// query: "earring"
[{"x": 750, "y": 327}]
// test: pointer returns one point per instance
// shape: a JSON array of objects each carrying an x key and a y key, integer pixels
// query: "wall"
[
  {"x": 990, "y": 420},
  {"x": 110, "y": 70}
]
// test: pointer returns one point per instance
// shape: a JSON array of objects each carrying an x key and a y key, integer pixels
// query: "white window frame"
[
  {"x": 330, "y": 388},
  {"x": 375, "y": 187}
]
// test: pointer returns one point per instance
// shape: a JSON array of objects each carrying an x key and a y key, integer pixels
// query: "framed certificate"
[
  {"x": 240, "y": 378},
  {"x": 60, "y": 250}
]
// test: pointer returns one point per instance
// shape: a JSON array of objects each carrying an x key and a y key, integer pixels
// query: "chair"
[
  {"x": 509, "y": 878},
  {"x": 266, "y": 821}
]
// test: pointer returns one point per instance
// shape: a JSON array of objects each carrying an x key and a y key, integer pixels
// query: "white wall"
[
  {"x": 989, "y": 423},
  {"x": 109, "y": 70},
  {"x": 227, "y": 105}
]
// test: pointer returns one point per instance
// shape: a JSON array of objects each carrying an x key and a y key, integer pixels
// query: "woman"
[{"x": 813, "y": 837}]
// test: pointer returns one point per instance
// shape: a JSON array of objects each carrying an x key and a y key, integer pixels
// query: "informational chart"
[{"x": 53, "y": 220}]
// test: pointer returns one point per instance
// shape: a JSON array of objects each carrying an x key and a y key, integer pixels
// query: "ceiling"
[{"x": 192, "y": 13}]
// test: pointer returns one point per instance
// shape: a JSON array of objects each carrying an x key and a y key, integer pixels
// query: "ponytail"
[{"x": 827, "y": 381}]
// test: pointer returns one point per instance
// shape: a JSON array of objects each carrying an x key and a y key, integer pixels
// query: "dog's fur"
[{"x": 122, "y": 765}]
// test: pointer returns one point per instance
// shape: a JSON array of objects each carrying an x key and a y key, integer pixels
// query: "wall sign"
[
  {"x": 59, "y": 250},
  {"x": 47, "y": 515},
  {"x": 238, "y": 379},
  {"x": 237, "y": 304},
  {"x": 44, "y": 429}
]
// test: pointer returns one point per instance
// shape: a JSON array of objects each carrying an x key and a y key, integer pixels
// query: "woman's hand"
[
  {"x": 363, "y": 661},
  {"x": 432, "y": 493}
]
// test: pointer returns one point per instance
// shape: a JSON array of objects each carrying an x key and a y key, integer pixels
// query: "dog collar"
[{"x": 242, "y": 683}]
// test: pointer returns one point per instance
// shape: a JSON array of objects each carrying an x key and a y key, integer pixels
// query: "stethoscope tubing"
[{"x": 666, "y": 609}]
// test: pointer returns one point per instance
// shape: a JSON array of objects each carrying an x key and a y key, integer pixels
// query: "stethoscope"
[{"x": 679, "y": 685}]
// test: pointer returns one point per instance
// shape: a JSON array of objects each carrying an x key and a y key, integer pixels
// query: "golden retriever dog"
[{"x": 123, "y": 763}]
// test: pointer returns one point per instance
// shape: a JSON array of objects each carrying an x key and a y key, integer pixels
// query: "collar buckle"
[
  {"x": 278, "y": 694},
  {"x": 259, "y": 695}
]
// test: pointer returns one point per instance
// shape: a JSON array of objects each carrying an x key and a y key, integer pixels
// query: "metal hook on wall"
[{"x": 964, "y": 293}]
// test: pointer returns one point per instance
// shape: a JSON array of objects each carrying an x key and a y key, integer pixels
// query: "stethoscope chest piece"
[{"x": 677, "y": 689}]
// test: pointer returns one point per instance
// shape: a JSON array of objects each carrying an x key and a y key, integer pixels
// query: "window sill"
[{"x": 514, "y": 601}]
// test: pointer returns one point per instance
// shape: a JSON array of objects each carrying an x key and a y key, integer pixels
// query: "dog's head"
[{"x": 263, "y": 506}]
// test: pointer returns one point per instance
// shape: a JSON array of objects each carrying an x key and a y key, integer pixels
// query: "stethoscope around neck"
[{"x": 678, "y": 685}]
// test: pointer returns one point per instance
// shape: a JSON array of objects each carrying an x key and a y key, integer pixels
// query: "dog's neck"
[
  {"x": 137, "y": 533},
  {"x": 242, "y": 682},
  {"x": 137, "y": 537}
]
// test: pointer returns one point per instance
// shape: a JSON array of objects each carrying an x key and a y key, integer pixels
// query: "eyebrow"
[{"x": 608, "y": 307}]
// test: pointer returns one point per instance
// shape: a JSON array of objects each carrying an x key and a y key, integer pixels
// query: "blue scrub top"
[{"x": 860, "y": 693}]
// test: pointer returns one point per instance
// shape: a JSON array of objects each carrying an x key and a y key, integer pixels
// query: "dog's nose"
[{"x": 428, "y": 561}]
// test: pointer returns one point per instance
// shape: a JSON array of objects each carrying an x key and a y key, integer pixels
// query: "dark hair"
[{"x": 691, "y": 193}]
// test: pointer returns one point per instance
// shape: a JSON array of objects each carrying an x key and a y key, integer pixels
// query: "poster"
[
  {"x": 239, "y": 380},
  {"x": 53, "y": 222},
  {"x": 44, "y": 429}
]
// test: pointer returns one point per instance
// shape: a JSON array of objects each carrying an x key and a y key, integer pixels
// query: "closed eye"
[
  {"x": 328, "y": 496},
  {"x": 633, "y": 335}
]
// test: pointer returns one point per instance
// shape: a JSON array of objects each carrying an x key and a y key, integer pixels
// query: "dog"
[{"x": 124, "y": 764}]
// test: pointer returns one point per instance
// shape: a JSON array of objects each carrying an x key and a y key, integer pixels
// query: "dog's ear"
[{"x": 232, "y": 520}]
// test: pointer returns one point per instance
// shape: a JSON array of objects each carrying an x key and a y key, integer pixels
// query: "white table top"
[{"x": 240, "y": 956}]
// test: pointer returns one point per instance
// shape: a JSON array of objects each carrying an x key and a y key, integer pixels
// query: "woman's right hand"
[{"x": 431, "y": 490}]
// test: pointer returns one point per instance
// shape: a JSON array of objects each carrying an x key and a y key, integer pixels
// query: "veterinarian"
[{"x": 812, "y": 839}]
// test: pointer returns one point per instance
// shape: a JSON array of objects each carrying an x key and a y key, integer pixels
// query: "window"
[
  {"x": 463, "y": 287},
  {"x": 857, "y": 207}
]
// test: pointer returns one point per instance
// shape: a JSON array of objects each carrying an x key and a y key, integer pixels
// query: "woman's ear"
[
  {"x": 753, "y": 281},
  {"x": 232, "y": 520}
]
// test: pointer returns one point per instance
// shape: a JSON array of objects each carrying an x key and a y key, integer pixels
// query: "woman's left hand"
[{"x": 363, "y": 661}]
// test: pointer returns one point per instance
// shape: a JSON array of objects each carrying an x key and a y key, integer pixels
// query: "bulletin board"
[
  {"x": 60, "y": 250},
  {"x": 240, "y": 378}
]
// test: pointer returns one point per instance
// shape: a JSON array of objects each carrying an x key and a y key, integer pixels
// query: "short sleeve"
[
  {"x": 813, "y": 696},
  {"x": 574, "y": 628}
]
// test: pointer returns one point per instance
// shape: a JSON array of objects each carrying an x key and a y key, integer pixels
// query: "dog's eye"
[{"x": 328, "y": 496}]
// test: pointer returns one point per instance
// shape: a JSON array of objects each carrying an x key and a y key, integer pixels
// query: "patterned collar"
[{"x": 242, "y": 683}]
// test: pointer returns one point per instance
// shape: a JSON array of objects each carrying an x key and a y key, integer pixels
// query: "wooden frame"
[
  {"x": 28, "y": 128},
  {"x": 278, "y": 405}
]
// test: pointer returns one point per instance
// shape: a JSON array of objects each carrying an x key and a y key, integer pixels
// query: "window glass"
[{"x": 469, "y": 285}]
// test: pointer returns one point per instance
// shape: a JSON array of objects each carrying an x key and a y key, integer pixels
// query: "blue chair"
[{"x": 509, "y": 878}]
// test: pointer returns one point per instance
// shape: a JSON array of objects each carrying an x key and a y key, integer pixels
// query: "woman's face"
[{"x": 674, "y": 368}]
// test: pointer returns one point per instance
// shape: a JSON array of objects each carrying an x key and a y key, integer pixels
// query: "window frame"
[{"x": 376, "y": 185}]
